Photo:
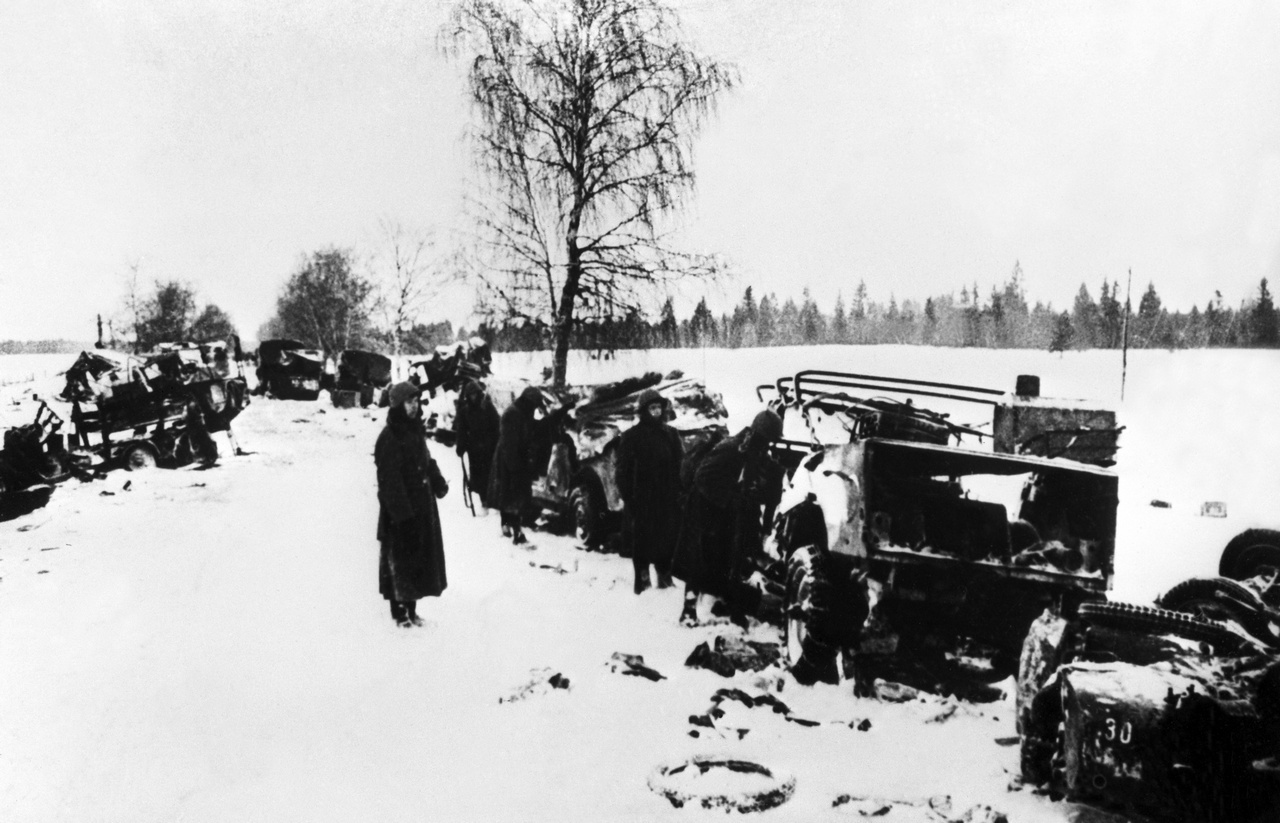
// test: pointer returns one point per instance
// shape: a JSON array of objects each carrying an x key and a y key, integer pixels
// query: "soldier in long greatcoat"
[
  {"x": 511, "y": 478},
  {"x": 723, "y": 524},
  {"x": 476, "y": 424},
  {"x": 648, "y": 476},
  {"x": 411, "y": 561}
]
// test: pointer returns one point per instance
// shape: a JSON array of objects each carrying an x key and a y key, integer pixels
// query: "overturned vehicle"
[
  {"x": 156, "y": 410},
  {"x": 1172, "y": 711},
  {"x": 289, "y": 370},
  {"x": 899, "y": 544}
]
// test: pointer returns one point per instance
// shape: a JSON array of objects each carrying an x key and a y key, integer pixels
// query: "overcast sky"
[{"x": 918, "y": 146}]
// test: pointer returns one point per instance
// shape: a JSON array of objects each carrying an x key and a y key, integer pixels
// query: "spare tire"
[
  {"x": 1248, "y": 551},
  {"x": 762, "y": 788},
  {"x": 139, "y": 457},
  {"x": 1159, "y": 621}
]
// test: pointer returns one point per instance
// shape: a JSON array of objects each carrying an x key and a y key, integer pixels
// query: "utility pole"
[{"x": 1124, "y": 355}]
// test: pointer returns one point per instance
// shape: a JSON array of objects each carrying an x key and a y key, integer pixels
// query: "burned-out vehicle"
[
  {"x": 364, "y": 373},
  {"x": 35, "y": 453},
  {"x": 899, "y": 542},
  {"x": 444, "y": 370},
  {"x": 575, "y": 444},
  {"x": 157, "y": 410},
  {"x": 1172, "y": 711},
  {"x": 579, "y": 448},
  {"x": 289, "y": 370}
]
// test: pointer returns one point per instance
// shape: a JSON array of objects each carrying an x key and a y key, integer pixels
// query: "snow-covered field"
[{"x": 210, "y": 645}]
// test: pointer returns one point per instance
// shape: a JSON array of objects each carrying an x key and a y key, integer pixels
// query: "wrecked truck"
[
  {"x": 898, "y": 541},
  {"x": 155, "y": 410},
  {"x": 289, "y": 370},
  {"x": 1171, "y": 711},
  {"x": 364, "y": 374},
  {"x": 574, "y": 448},
  {"x": 579, "y": 453}
]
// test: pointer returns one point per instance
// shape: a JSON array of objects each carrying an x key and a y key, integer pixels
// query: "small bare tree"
[
  {"x": 587, "y": 114},
  {"x": 408, "y": 277}
]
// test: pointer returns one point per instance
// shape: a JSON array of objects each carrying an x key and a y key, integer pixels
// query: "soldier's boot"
[
  {"x": 664, "y": 578},
  {"x": 642, "y": 578},
  {"x": 411, "y": 612},
  {"x": 400, "y": 614}
]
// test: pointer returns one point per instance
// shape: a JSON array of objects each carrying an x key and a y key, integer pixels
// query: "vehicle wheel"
[
  {"x": 811, "y": 651},
  {"x": 1158, "y": 621},
  {"x": 1248, "y": 552},
  {"x": 586, "y": 507},
  {"x": 55, "y": 469},
  {"x": 1222, "y": 599},
  {"x": 138, "y": 457}
]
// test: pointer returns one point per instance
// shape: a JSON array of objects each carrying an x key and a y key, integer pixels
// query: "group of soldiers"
[{"x": 698, "y": 515}]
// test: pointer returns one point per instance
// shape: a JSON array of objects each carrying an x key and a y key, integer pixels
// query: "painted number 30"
[{"x": 1123, "y": 732}]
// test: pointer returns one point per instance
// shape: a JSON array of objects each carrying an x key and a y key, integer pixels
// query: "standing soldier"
[
  {"x": 476, "y": 424},
  {"x": 649, "y": 455},
  {"x": 723, "y": 528},
  {"x": 411, "y": 560},
  {"x": 511, "y": 478}
]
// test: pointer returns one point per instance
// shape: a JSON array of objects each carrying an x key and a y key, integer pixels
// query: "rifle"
[{"x": 466, "y": 486}]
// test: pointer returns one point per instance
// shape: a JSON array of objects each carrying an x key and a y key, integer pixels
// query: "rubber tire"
[
  {"x": 810, "y": 643},
  {"x": 778, "y": 790},
  {"x": 55, "y": 469},
  {"x": 586, "y": 509},
  {"x": 1247, "y": 550},
  {"x": 1158, "y": 621},
  {"x": 139, "y": 457},
  {"x": 1200, "y": 596}
]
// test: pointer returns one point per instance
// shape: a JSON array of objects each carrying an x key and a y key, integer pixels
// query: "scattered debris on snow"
[
  {"x": 634, "y": 665},
  {"x": 894, "y": 692},
  {"x": 541, "y": 682},
  {"x": 557, "y": 568},
  {"x": 730, "y": 655},
  {"x": 936, "y": 809}
]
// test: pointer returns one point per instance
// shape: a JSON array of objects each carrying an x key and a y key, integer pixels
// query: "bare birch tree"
[
  {"x": 408, "y": 277},
  {"x": 587, "y": 114}
]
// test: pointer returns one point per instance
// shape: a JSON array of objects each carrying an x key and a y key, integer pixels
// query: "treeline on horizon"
[
  {"x": 42, "y": 346},
  {"x": 1004, "y": 319}
]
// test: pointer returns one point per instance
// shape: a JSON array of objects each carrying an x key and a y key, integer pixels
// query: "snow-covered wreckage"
[
  {"x": 898, "y": 543},
  {"x": 1171, "y": 711},
  {"x": 575, "y": 448},
  {"x": 365, "y": 375},
  {"x": 137, "y": 411},
  {"x": 580, "y": 481},
  {"x": 288, "y": 369}
]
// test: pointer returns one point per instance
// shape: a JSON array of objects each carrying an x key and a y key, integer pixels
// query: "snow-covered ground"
[{"x": 210, "y": 645}]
